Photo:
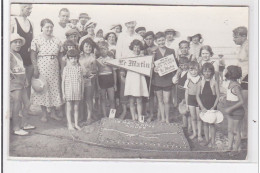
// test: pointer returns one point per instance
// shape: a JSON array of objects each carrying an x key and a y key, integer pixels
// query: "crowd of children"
[{"x": 88, "y": 81}]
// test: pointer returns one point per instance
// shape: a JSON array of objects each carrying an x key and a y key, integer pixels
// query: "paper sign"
[
  {"x": 166, "y": 65},
  {"x": 112, "y": 113},
  {"x": 142, "y": 65}
]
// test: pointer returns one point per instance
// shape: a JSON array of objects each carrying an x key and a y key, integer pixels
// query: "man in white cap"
[
  {"x": 24, "y": 27},
  {"x": 123, "y": 51}
]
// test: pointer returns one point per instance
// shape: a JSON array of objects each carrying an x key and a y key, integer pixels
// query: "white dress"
[{"x": 135, "y": 84}]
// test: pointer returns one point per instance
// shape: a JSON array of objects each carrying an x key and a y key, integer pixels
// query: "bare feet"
[
  {"x": 200, "y": 138},
  {"x": 193, "y": 136},
  {"x": 71, "y": 127},
  {"x": 77, "y": 127}
]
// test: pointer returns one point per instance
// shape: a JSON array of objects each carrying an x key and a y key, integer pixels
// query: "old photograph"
[{"x": 93, "y": 81}]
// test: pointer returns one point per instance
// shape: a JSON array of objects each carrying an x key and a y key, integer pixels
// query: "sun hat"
[
  {"x": 39, "y": 85},
  {"x": 84, "y": 15},
  {"x": 140, "y": 29},
  {"x": 91, "y": 25},
  {"x": 189, "y": 38},
  {"x": 212, "y": 116},
  {"x": 72, "y": 32},
  {"x": 176, "y": 33},
  {"x": 16, "y": 36},
  {"x": 182, "y": 108},
  {"x": 113, "y": 26},
  {"x": 107, "y": 34}
]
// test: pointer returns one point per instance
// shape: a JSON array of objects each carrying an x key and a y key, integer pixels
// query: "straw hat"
[
  {"x": 175, "y": 33},
  {"x": 212, "y": 116},
  {"x": 182, "y": 107},
  {"x": 16, "y": 36},
  {"x": 39, "y": 85},
  {"x": 189, "y": 38}
]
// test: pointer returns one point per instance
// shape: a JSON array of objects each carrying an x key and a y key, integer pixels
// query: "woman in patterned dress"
[{"x": 45, "y": 52}]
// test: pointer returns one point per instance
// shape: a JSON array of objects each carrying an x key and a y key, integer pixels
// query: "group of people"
[{"x": 65, "y": 71}]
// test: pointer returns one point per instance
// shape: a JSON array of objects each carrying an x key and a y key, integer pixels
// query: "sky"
[{"x": 214, "y": 23}]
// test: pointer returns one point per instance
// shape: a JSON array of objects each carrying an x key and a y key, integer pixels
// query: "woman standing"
[{"x": 45, "y": 52}]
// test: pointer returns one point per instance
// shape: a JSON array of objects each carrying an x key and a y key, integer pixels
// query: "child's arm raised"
[
  {"x": 237, "y": 91},
  {"x": 216, "y": 87}
]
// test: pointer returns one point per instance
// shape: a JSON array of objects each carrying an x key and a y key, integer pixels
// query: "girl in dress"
[
  {"x": 191, "y": 85},
  {"x": 72, "y": 87},
  {"x": 87, "y": 61},
  {"x": 207, "y": 97},
  {"x": 67, "y": 45},
  {"x": 206, "y": 53},
  {"x": 233, "y": 106},
  {"x": 135, "y": 84}
]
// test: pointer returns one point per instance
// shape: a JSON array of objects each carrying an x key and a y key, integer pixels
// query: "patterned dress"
[
  {"x": 73, "y": 78},
  {"x": 48, "y": 65}
]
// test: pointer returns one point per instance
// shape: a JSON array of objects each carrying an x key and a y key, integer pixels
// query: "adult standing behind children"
[
  {"x": 45, "y": 52},
  {"x": 170, "y": 35},
  {"x": 83, "y": 20},
  {"x": 123, "y": 51},
  {"x": 23, "y": 26},
  {"x": 61, "y": 28},
  {"x": 240, "y": 38}
]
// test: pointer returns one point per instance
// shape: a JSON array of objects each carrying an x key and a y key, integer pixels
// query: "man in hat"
[
  {"x": 240, "y": 38},
  {"x": 24, "y": 27},
  {"x": 83, "y": 20},
  {"x": 117, "y": 28},
  {"x": 90, "y": 28},
  {"x": 141, "y": 31},
  {"x": 171, "y": 34},
  {"x": 61, "y": 28},
  {"x": 123, "y": 51},
  {"x": 73, "y": 35}
]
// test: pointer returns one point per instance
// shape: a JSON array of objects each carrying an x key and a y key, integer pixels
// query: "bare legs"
[
  {"x": 164, "y": 105},
  {"x": 234, "y": 134},
  {"x": 111, "y": 97},
  {"x": 75, "y": 105},
  {"x": 195, "y": 122}
]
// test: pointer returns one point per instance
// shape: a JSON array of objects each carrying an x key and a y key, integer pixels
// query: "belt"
[{"x": 51, "y": 56}]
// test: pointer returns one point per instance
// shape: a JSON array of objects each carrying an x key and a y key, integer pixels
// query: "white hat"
[
  {"x": 15, "y": 36},
  {"x": 212, "y": 116},
  {"x": 39, "y": 85}
]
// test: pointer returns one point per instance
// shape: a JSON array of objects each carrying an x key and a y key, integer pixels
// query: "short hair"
[
  {"x": 241, "y": 31},
  {"x": 68, "y": 43},
  {"x": 73, "y": 53},
  {"x": 44, "y": 21},
  {"x": 64, "y": 9},
  {"x": 208, "y": 48},
  {"x": 89, "y": 41},
  {"x": 159, "y": 35},
  {"x": 148, "y": 33},
  {"x": 136, "y": 43},
  {"x": 233, "y": 72},
  {"x": 209, "y": 66},
  {"x": 184, "y": 42},
  {"x": 183, "y": 60},
  {"x": 194, "y": 65}
]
